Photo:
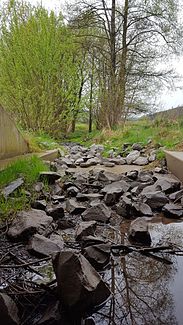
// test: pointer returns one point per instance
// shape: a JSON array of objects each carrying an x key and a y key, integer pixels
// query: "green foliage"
[
  {"x": 39, "y": 67},
  {"x": 40, "y": 141},
  {"x": 29, "y": 169}
]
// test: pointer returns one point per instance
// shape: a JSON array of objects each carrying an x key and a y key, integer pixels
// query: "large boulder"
[
  {"x": 28, "y": 223},
  {"x": 99, "y": 212},
  {"x": 8, "y": 311},
  {"x": 79, "y": 286}
]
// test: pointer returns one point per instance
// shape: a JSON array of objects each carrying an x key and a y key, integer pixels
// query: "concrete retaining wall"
[{"x": 11, "y": 141}]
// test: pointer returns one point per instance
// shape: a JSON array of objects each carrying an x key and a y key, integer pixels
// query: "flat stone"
[
  {"x": 109, "y": 164},
  {"x": 116, "y": 187},
  {"x": 55, "y": 211},
  {"x": 28, "y": 223},
  {"x": 10, "y": 188},
  {"x": 138, "y": 231},
  {"x": 85, "y": 228},
  {"x": 50, "y": 177},
  {"x": 99, "y": 212},
  {"x": 8, "y": 310},
  {"x": 172, "y": 210},
  {"x": 40, "y": 245},
  {"x": 79, "y": 286},
  {"x": 141, "y": 161},
  {"x": 65, "y": 223}
]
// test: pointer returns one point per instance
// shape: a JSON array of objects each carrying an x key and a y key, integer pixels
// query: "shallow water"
[{"x": 144, "y": 290}]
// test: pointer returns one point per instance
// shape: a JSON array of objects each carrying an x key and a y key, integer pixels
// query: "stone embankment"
[{"x": 70, "y": 225}]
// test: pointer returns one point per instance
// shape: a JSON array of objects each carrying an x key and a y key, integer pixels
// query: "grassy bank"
[
  {"x": 29, "y": 170},
  {"x": 167, "y": 133}
]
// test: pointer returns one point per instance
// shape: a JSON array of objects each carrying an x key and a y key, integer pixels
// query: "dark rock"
[
  {"x": 98, "y": 255},
  {"x": 172, "y": 210},
  {"x": 28, "y": 223},
  {"x": 79, "y": 286},
  {"x": 50, "y": 177},
  {"x": 97, "y": 147},
  {"x": 155, "y": 199},
  {"x": 10, "y": 188},
  {"x": 51, "y": 316},
  {"x": 89, "y": 321},
  {"x": 39, "y": 204},
  {"x": 68, "y": 162},
  {"x": 114, "y": 190},
  {"x": 160, "y": 170},
  {"x": 73, "y": 207},
  {"x": 146, "y": 177},
  {"x": 8, "y": 310},
  {"x": 143, "y": 209},
  {"x": 56, "y": 189},
  {"x": 132, "y": 174},
  {"x": 55, "y": 211},
  {"x": 118, "y": 161},
  {"x": 168, "y": 184},
  {"x": 42, "y": 246},
  {"x": 99, "y": 212},
  {"x": 85, "y": 228},
  {"x": 137, "y": 146},
  {"x": 72, "y": 191},
  {"x": 125, "y": 208},
  {"x": 138, "y": 232},
  {"x": 65, "y": 223}
]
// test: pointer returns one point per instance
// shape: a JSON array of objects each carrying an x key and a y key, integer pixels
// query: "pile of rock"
[
  {"x": 80, "y": 209},
  {"x": 135, "y": 154}
]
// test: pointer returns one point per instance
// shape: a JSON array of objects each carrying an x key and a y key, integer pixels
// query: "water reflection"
[{"x": 143, "y": 289}]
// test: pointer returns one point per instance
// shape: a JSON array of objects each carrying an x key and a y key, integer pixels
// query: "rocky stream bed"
[{"x": 100, "y": 247}]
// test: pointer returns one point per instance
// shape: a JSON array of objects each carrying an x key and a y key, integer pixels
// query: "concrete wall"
[{"x": 11, "y": 141}]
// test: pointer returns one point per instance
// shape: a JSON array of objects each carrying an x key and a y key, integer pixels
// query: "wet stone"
[
  {"x": 79, "y": 286},
  {"x": 138, "y": 232},
  {"x": 8, "y": 310},
  {"x": 98, "y": 255}
]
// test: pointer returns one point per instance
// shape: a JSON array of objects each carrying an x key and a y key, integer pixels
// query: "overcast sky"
[{"x": 168, "y": 99}]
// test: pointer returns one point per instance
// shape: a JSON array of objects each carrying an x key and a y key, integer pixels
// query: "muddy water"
[{"x": 144, "y": 290}]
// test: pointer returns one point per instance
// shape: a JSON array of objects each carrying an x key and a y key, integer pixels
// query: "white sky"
[{"x": 168, "y": 99}]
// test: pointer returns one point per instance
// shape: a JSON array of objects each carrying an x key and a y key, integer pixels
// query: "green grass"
[
  {"x": 164, "y": 133},
  {"x": 29, "y": 169},
  {"x": 40, "y": 141}
]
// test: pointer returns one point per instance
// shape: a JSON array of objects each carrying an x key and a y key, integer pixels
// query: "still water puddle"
[{"x": 144, "y": 290}]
